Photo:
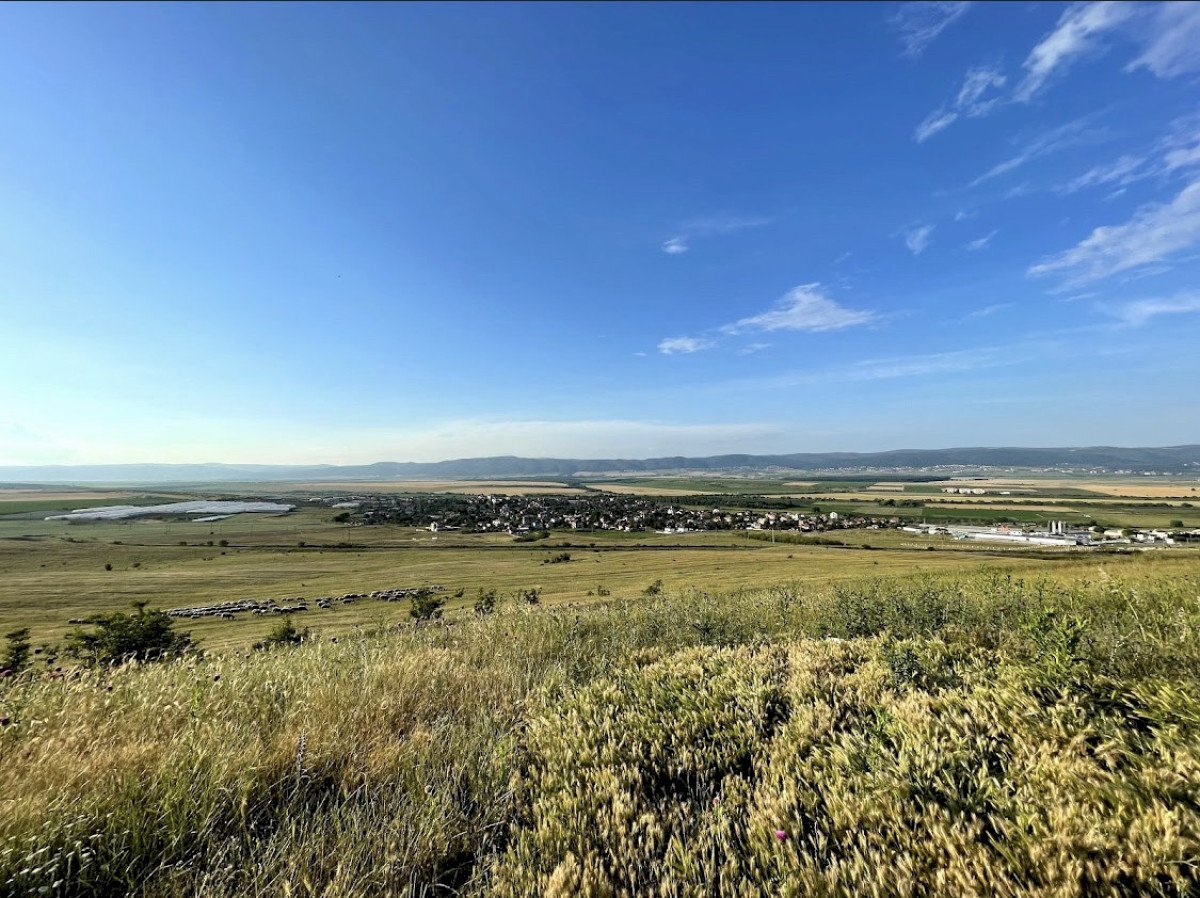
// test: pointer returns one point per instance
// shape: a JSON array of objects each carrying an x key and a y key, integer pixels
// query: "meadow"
[
  {"x": 53, "y": 571},
  {"x": 924, "y": 735}
]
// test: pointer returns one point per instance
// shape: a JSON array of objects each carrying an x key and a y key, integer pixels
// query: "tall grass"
[{"x": 921, "y": 737}]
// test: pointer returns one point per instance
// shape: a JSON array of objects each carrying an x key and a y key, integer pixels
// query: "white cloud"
[
  {"x": 1140, "y": 311},
  {"x": 1075, "y": 34},
  {"x": 684, "y": 345},
  {"x": 711, "y": 226},
  {"x": 1181, "y": 148},
  {"x": 1122, "y": 171},
  {"x": 805, "y": 308},
  {"x": 1050, "y": 142},
  {"x": 751, "y": 348},
  {"x": 1183, "y": 157},
  {"x": 725, "y": 224},
  {"x": 989, "y": 310},
  {"x": 917, "y": 239},
  {"x": 936, "y": 121},
  {"x": 921, "y": 22},
  {"x": 963, "y": 215},
  {"x": 1172, "y": 46},
  {"x": 1154, "y": 234},
  {"x": 968, "y": 101},
  {"x": 980, "y": 243}
]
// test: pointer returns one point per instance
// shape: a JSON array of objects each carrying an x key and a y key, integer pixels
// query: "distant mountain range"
[{"x": 1164, "y": 460}]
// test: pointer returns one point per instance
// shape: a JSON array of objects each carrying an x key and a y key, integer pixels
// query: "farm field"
[{"x": 52, "y": 571}]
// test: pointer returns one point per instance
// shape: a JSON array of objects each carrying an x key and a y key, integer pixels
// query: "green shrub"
[
  {"x": 284, "y": 633},
  {"x": 17, "y": 651},
  {"x": 486, "y": 603},
  {"x": 141, "y": 636},
  {"x": 426, "y": 605}
]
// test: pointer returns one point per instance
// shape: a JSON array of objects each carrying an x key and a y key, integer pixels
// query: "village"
[{"x": 519, "y": 515}]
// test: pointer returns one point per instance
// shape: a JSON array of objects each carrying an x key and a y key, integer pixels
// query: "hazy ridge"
[{"x": 1168, "y": 459}]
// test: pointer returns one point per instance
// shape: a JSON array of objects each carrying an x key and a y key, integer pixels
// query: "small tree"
[
  {"x": 285, "y": 633},
  {"x": 17, "y": 652},
  {"x": 142, "y": 636},
  {"x": 426, "y": 606},
  {"x": 486, "y": 603}
]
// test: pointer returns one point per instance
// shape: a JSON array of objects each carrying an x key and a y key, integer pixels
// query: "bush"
[
  {"x": 654, "y": 589},
  {"x": 486, "y": 603},
  {"x": 285, "y": 633},
  {"x": 17, "y": 652},
  {"x": 426, "y": 605},
  {"x": 141, "y": 636},
  {"x": 530, "y": 596}
]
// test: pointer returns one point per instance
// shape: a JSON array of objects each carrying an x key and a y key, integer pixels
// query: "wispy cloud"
[
  {"x": 752, "y": 348},
  {"x": 1140, "y": 311},
  {"x": 1178, "y": 150},
  {"x": 711, "y": 226},
  {"x": 804, "y": 308},
  {"x": 921, "y": 22},
  {"x": 1181, "y": 147},
  {"x": 938, "y": 120},
  {"x": 1154, "y": 234},
  {"x": 917, "y": 239},
  {"x": 684, "y": 345},
  {"x": 904, "y": 366},
  {"x": 725, "y": 224},
  {"x": 1121, "y": 171},
  {"x": 987, "y": 311},
  {"x": 969, "y": 101},
  {"x": 1052, "y": 141},
  {"x": 1172, "y": 46},
  {"x": 1075, "y": 34},
  {"x": 981, "y": 242}
]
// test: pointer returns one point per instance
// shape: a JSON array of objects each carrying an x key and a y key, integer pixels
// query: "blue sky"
[{"x": 339, "y": 233}]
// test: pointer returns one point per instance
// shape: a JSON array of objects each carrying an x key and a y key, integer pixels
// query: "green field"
[{"x": 52, "y": 571}]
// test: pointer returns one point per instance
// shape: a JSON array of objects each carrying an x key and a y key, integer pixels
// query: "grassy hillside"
[
  {"x": 931, "y": 736},
  {"x": 51, "y": 571}
]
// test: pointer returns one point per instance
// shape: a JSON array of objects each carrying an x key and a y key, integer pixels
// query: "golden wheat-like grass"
[{"x": 978, "y": 736}]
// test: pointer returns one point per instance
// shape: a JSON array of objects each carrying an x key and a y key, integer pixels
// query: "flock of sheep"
[{"x": 229, "y": 610}]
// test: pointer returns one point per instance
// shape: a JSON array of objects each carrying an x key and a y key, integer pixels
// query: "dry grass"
[{"x": 985, "y": 735}]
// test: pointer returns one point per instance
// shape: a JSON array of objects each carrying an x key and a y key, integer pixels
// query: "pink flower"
[{"x": 781, "y": 835}]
